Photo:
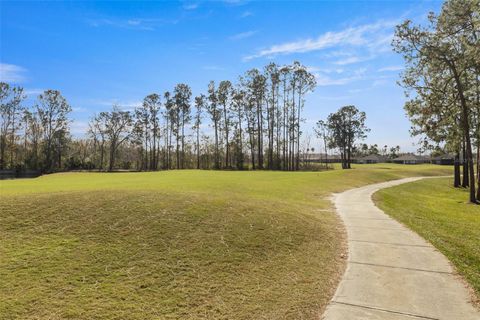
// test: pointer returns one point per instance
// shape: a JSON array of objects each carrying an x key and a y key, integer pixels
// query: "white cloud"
[
  {"x": 235, "y": 2},
  {"x": 144, "y": 24},
  {"x": 246, "y": 14},
  {"x": 134, "y": 22},
  {"x": 323, "y": 80},
  {"x": 326, "y": 80},
  {"x": 390, "y": 68},
  {"x": 368, "y": 35},
  {"x": 351, "y": 60},
  {"x": 243, "y": 35},
  {"x": 190, "y": 6},
  {"x": 12, "y": 73}
]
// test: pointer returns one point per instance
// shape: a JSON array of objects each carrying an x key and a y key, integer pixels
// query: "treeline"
[
  {"x": 34, "y": 138},
  {"x": 253, "y": 123},
  {"x": 364, "y": 149},
  {"x": 442, "y": 82}
]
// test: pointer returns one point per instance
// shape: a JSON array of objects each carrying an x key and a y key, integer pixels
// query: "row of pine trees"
[{"x": 253, "y": 123}]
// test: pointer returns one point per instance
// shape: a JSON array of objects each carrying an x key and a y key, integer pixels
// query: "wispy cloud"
[
  {"x": 324, "y": 79},
  {"x": 390, "y": 68},
  {"x": 215, "y": 68},
  {"x": 190, "y": 6},
  {"x": 145, "y": 24},
  {"x": 246, "y": 14},
  {"x": 235, "y": 2},
  {"x": 314, "y": 69},
  {"x": 243, "y": 35},
  {"x": 351, "y": 60},
  {"x": 369, "y": 35},
  {"x": 12, "y": 73}
]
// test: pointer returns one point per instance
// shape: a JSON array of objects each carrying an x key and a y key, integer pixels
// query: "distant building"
[
  {"x": 372, "y": 158},
  {"x": 446, "y": 159},
  {"x": 411, "y": 159}
]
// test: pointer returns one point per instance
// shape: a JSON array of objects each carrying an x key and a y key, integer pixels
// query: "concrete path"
[{"x": 392, "y": 273}]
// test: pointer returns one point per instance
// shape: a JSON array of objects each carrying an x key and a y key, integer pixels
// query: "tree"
[
  {"x": 182, "y": 95},
  {"x": 33, "y": 134},
  {"x": 153, "y": 103},
  {"x": 238, "y": 103},
  {"x": 200, "y": 102},
  {"x": 256, "y": 84},
  {"x": 142, "y": 132},
  {"x": 224, "y": 97},
  {"x": 442, "y": 61},
  {"x": 11, "y": 112},
  {"x": 53, "y": 110},
  {"x": 347, "y": 125},
  {"x": 323, "y": 132},
  {"x": 304, "y": 83},
  {"x": 272, "y": 74},
  {"x": 168, "y": 115},
  {"x": 117, "y": 124},
  {"x": 215, "y": 115},
  {"x": 147, "y": 129}
]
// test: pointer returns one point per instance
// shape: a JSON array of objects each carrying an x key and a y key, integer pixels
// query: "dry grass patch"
[{"x": 175, "y": 245}]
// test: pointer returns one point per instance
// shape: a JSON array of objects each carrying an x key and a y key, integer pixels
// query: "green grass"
[
  {"x": 440, "y": 214},
  {"x": 176, "y": 245}
]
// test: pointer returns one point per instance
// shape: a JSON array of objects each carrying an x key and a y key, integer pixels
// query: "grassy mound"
[{"x": 175, "y": 245}]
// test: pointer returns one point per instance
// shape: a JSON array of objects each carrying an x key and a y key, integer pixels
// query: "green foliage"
[{"x": 345, "y": 127}]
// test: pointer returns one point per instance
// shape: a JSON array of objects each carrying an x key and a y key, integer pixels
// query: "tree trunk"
[
  {"x": 2, "y": 152},
  {"x": 259, "y": 135},
  {"x": 198, "y": 147},
  {"x": 183, "y": 142},
  {"x": 217, "y": 164},
  {"x": 102, "y": 153},
  {"x": 227, "y": 146},
  {"x": 466, "y": 130},
  {"x": 299, "y": 108},
  {"x": 456, "y": 170},
  {"x": 240, "y": 142},
  {"x": 112, "y": 158},
  {"x": 465, "y": 167}
]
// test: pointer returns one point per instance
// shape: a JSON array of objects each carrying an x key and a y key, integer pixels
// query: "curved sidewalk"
[{"x": 392, "y": 273}]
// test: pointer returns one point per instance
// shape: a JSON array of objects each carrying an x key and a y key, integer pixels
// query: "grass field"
[
  {"x": 440, "y": 214},
  {"x": 177, "y": 244}
]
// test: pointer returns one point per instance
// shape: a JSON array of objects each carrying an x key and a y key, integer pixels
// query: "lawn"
[
  {"x": 177, "y": 244},
  {"x": 440, "y": 214}
]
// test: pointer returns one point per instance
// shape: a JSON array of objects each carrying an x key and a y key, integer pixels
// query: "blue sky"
[{"x": 100, "y": 53}]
